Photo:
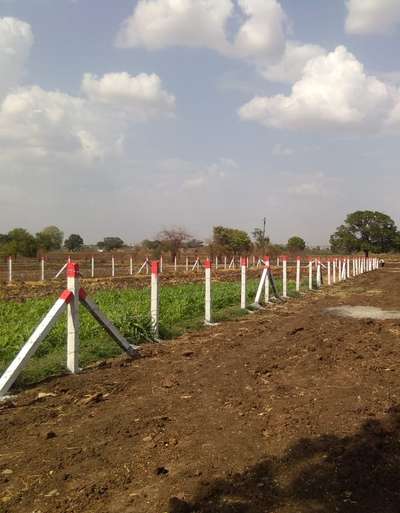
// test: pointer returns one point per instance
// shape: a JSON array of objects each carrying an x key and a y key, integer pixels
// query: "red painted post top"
[
  {"x": 298, "y": 258},
  {"x": 207, "y": 264},
  {"x": 72, "y": 270},
  {"x": 266, "y": 260},
  {"x": 310, "y": 258},
  {"x": 284, "y": 257},
  {"x": 155, "y": 267},
  {"x": 67, "y": 296},
  {"x": 243, "y": 261}
]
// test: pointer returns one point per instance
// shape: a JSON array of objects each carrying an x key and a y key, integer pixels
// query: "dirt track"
[{"x": 289, "y": 410}]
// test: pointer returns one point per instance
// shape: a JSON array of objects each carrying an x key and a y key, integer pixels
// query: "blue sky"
[{"x": 122, "y": 118}]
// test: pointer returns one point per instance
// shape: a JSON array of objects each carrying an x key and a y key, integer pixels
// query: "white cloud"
[
  {"x": 372, "y": 16},
  {"x": 292, "y": 63},
  {"x": 261, "y": 37},
  {"x": 263, "y": 33},
  {"x": 41, "y": 122},
  {"x": 141, "y": 96},
  {"x": 334, "y": 92},
  {"x": 16, "y": 40},
  {"x": 157, "y": 24}
]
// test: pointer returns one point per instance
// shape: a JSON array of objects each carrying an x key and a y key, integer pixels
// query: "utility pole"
[{"x": 264, "y": 232}]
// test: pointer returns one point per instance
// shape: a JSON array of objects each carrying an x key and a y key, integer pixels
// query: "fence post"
[
  {"x": 318, "y": 277},
  {"x": 42, "y": 269},
  {"x": 161, "y": 264},
  {"x": 175, "y": 264},
  {"x": 208, "y": 298},
  {"x": 284, "y": 276},
  {"x": 216, "y": 263},
  {"x": 155, "y": 297},
  {"x": 298, "y": 270},
  {"x": 73, "y": 318},
  {"x": 328, "y": 264},
  {"x": 112, "y": 267},
  {"x": 348, "y": 268},
  {"x": 334, "y": 270},
  {"x": 130, "y": 266},
  {"x": 340, "y": 269},
  {"x": 310, "y": 266},
  {"x": 243, "y": 291},
  {"x": 266, "y": 285},
  {"x": 10, "y": 269},
  {"x": 92, "y": 267}
]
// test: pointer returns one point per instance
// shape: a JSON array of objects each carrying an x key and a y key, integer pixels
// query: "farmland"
[
  {"x": 289, "y": 410},
  {"x": 182, "y": 307}
]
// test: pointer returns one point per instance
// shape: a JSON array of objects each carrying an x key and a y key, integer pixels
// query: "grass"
[{"x": 182, "y": 309}]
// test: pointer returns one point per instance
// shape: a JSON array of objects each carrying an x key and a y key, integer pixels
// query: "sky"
[{"x": 122, "y": 118}]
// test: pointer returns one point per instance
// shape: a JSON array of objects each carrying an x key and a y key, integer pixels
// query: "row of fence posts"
[
  {"x": 337, "y": 270},
  {"x": 334, "y": 264},
  {"x": 74, "y": 295}
]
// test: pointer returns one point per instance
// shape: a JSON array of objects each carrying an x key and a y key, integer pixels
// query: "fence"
[{"x": 74, "y": 295}]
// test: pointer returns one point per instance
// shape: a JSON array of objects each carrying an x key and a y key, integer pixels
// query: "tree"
[
  {"x": 50, "y": 238},
  {"x": 110, "y": 243},
  {"x": 74, "y": 242},
  {"x": 173, "y": 239},
  {"x": 231, "y": 239},
  {"x": 365, "y": 230},
  {"x": 19, "y": 242},
  {"x": 296, "y": 243},
  {"x": 260, "y": 239}
]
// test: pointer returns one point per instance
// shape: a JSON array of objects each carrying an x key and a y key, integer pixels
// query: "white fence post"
[
  {"x": 130, "y": 266},
  {"x": 266, "y": 286},
  {"x": 334, "y": 263},
  {"x": 318, "y": 279},
  {"x": 328, "y": 264},
  {"x": 340, "y": 269},
  {"x": 187, "y": 264},
  {"x": 161, "y": 264},
  {"x": 208, "y": 295},
  {"x": 155, "y": 297},
  {"x": 298, "y": 271},
  {"x": 216, "y": 263},
  {"x": 42, "y": 268},
  {"x": 243, "y": 288},
  {"x": 92, "y": 267},
  {"x": 175, "y": 264},
  {"x": 73, "y": 318},
  {"x": 284, "y": 276},
  {"x": 310, "y": 266},
  {"x": 10, "y": 269},
  {"x": 224, "y": 262},
  {"x": 112, "y": 267},
  {"x": 348, "y": 268}
]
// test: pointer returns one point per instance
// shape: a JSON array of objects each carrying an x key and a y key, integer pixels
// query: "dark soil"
[{"x": 289, "y": 410}]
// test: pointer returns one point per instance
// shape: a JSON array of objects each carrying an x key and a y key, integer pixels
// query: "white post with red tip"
[
  {"x": 155, "y": 297},
  {"x": 266, "y": 283},
  {"x": 284, "y": 276},
  {"x": 243, "y": 284},
  {"x": 73, "y": 323},
  {"x": 329, "y": 271},
  {"x": 208, "y": 293},
  {"x": 112, "y": 267},
  {"x": 92, "y": 267}
]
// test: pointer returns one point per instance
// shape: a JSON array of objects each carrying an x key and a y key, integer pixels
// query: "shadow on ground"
[{"x": 357, "y": 474}]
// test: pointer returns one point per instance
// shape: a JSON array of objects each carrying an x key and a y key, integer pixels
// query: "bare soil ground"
[{"x": 289, "y": 410}]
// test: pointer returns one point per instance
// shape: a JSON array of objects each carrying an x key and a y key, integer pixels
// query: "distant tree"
[
  {"x": 366, "y": 230},
  {"x": 173, "y": 239},
  {"x": 296, "y": 243},
  {"x": 153, "y": 246},
  {"x": 110, "y": 243},
  {"x": 261, "y": 240},
  {"x": 232, "y": 239},
  {"x": 194, "y": 243},
  {"x": 74, "y": 242},
  {"x": 19, "y": 242},
  {"x": 50, "y": 238}
]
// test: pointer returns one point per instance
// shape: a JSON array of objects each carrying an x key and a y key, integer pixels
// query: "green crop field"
[{"x": 182, "y": 308}]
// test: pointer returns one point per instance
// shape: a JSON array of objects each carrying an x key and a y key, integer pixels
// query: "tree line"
[{"x": 366, "y": 231}]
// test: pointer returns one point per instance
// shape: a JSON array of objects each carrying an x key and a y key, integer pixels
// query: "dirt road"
[{"x": 289, "y": 410}]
